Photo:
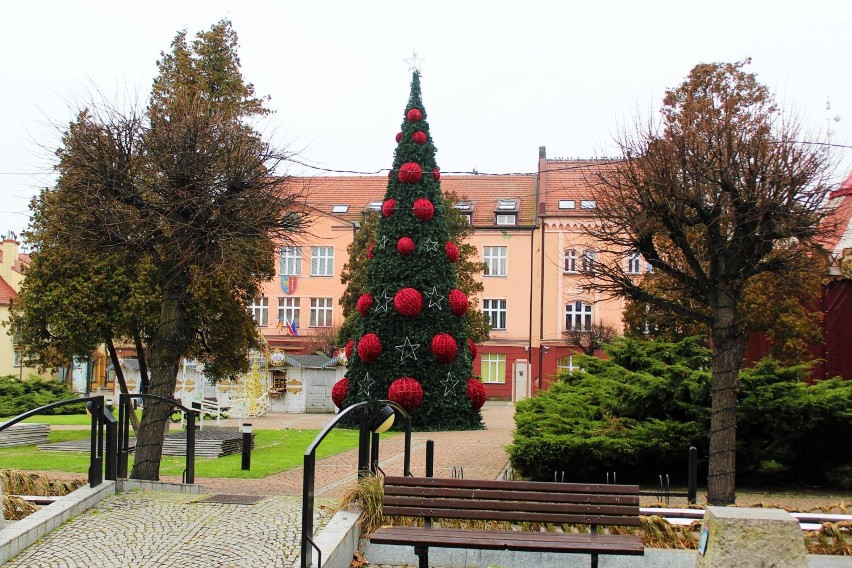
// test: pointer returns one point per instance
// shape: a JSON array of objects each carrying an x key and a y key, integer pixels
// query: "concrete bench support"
[{"x": 752, "y": 538}]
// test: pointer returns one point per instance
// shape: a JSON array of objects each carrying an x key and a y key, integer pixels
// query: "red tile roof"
[
  {"x": 840, "y": 215},
  {"x": 6, "y": 292},
  {"x": 568, "y": 180},
  {"x": 323, "y": 193}
]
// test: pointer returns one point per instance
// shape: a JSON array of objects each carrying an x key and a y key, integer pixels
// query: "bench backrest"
[{"x": 513, "y": 501}]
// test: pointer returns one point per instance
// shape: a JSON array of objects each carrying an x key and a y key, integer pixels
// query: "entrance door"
[{"x": 520, "y": 384}]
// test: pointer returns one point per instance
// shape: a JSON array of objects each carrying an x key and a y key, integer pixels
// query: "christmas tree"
[{"x": 413, "y": 345}]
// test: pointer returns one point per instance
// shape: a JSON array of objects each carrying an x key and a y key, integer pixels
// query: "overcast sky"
[{"x": 499, "y": 78}]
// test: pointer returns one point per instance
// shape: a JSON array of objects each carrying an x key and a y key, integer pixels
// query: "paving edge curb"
[
  {"x": 338, "y": 540},
  {"x": 18, "y": 536}
]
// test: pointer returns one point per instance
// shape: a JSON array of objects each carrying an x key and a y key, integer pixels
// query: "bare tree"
[
  {"x": 722, "y": 192},
  {"x": 590, "y": 339}
]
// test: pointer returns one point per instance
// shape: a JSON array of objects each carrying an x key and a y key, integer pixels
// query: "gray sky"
[{"x": 499, "y": 78}]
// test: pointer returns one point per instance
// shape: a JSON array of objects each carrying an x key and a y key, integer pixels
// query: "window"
[
  {"x": 566, "y": 364},
  {"x": 570, "y": 260},
  {"x": 291, "y": 261},
  {"x": 506, "y": 212},
  {"x": 566, "y": 204},
  {"x": 322, "y": 261},
  {"x": 589, "y": 261},
  {"x": 588, "y": 204},
  {"x": 649, "y": 267},
  {"x": 340, "y": 208},
  {"x": 288, "y": 310},
  {"x": 634, "y": 263},
  {"x": 320, "y": 312},
  {"x": 496, "y": 311},
  {"x": 495, "y": 260},
  {"x": 578, "y": 316},
  {"x": 259, "y": 310},
  {"x": 506, "y": 219},
  {"x": 493, "y": 368},
  {"x": 374, "y": 206},
  {"x": 17, "y": 359},
  {"x": 507, "y": 205}
]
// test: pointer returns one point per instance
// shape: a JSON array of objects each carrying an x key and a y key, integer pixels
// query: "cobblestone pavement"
[{"x": 144, "y": 529}]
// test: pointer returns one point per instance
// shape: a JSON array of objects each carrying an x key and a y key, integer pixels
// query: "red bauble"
[
  {"x": 436, "y": 174},
  {"x": 472, "y": 347},
  {"x": 405, "y": 246},
  {"x": 423, "y": 209},
  {"x": 410, "y": 172},
  {"x": 370, "y": 251},
  {"x": 444, "y": 347},
  {"x": 348, "y": 349},
  {"x": 414, "y": 115},
  {"x": 399, "y": 137},
  {"x": 369, "y": 347},
  {"x": 419, "y": 137},
  {"x": 338, "y": 392},
  {"x": 406, "y": 392},
  {"x": 476, "y": 393},
  {"x": 452, "y": 251},
  {"x": 365, "y": 302},
  {"x": 408, "y": 302},
  {"x": 458, "y": 302},
  {"x": 388, "y": 206}
]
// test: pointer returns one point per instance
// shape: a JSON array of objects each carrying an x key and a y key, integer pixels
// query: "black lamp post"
[{"x": 246, "y": 446}]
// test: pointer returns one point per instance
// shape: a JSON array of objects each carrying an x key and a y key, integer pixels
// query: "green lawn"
[
  {"x": 70, "y": 419},
  {"x": 274, "y": 451}
]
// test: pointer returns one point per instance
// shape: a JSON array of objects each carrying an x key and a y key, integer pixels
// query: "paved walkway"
[{"x": 159, "y": 529}]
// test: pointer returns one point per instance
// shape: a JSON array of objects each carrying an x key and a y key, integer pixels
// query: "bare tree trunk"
[
  {"x": 119, "y": 376},
  {"x": 728, "y": 346},
  {"x": 167, "y": 347}
]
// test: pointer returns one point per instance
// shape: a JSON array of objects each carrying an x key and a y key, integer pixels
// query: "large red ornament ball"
[
  {"x": 338, "y": 392},
  {"x": 472, "y": 347},
  {"x": 406, "y": 392},
  {"x": 370, "y": 251},
  {"x": 408, "y": 302},
  {"x": 419, "y": 137},
  {"x": 405, "y": 246},
  {"x": 410, "y": 172},
  {"x": 444, "y": 347},
  {"x": 458, "y": 302},
  {"x": 476, "y": 393},
  {"x": 388, "y": 207},
  {"x": 399, "y": 137},
  {"x": 452, "y": 251},
  {"x": 436, "y": 174},
  {"x": 365, "y": 302},
  {"x": 369, "y": 348},
  {"x": 423, "y": 209},
  {"x": 348, "y": 349},
  {"x": 414, "y": 115}
]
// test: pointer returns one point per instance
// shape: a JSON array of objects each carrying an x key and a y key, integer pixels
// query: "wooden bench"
[{"x": 515, "y": 502}]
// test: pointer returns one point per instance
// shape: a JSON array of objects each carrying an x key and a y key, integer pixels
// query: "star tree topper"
[{"x": 414, "y": 62}]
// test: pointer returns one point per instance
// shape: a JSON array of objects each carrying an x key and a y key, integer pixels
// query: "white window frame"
[
  {"x": 321, "y": 312},
  {"x": 339, "y": 208},
  {"x": 566, "y": 204},
  {"x": 589, "y": 261},
  {"x": 259, "y": 310},
  {"x": 506, "y": 219},
  {"x": 570, "y": 262},
  {"x": 634, "y": 263},
  {"x": 490, "y": 365},
  {"x": 570, "y": 367},
  {"x": 496, "y": 311},
  {"x": 496, "y": 259},
  {"x": 289, "y": 310},
  {"x": 290, "y": 261},
  {"x": 322, "y": 261},
  {"x": 588, "y": 204},
  {"x": 17, "y": 359},
  {"x": 578, "y": 313}
]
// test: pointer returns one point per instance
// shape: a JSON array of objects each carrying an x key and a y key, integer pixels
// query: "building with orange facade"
[{"x": 528, "y": 230}]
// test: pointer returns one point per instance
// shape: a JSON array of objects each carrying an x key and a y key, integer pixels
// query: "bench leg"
[
  {"x": 422, "y": 553},
  {"x": 594, "y": 560}
]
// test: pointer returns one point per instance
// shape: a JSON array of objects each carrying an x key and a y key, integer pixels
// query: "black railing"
[
  {"x": 125, "y": 407},
  {"x": 367, "y": 464},
  {"x": 102, "y": 450}
]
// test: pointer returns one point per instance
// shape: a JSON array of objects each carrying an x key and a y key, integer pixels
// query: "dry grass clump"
[
  {"x": 367, "y": 495},
  {"x": 15, "y": 482},
  {"x": 831, "y": 538}
]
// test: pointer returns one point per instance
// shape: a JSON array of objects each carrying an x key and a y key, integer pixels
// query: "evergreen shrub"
[{"x": 18, "y": 396}]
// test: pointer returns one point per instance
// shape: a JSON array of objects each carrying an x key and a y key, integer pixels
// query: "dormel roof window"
[
  {"x": 465, "y": 208},
  {"x": 588, "y": 204},
  {"x": 340, "y": 208},
  {"x": 374, "y": 206},
  {"x": 506, "y": 212},
  {"x": 566, "y": 204}
]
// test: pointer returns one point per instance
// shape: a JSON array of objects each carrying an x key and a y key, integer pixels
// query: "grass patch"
[
  {"x": 58, "y": 419},
  {"x": 274, "y": 451}
]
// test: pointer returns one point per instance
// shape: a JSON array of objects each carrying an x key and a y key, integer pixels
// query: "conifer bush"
[{"x": 19, "y": 396}]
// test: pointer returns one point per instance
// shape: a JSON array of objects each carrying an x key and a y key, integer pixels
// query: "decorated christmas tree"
[{"x": 413, "y": 345}]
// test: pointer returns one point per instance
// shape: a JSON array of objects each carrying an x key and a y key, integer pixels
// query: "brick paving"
[{"x": 161, "y": 529}]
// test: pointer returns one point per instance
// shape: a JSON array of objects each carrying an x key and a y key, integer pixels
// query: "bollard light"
[
  {"x": 246, "y": 430},
  {"x": 382, "y": 420}
]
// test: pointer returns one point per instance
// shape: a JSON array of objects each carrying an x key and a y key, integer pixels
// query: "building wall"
[{"x": 12, "y": 274}]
